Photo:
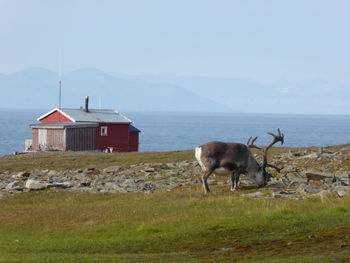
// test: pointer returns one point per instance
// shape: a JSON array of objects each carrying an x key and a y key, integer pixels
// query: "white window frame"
[{"x": 104, "y": 130}]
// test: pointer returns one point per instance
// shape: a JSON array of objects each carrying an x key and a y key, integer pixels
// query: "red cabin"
[{"x": 84, "y": 130}]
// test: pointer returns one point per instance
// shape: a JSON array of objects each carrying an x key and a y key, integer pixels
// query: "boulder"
[
  {"x": 316, "y": 175},
  {"x": 21, "y": 175},
  {"x": 111, "y": 169},
  {"x": 278, "y": 185},
  {"x": 342, "y": 191},
  {"x": 301, "y": 188},
  {"x": 15, "y": 185},
  {"x": 324, "y": 193},
  {"x": 311, "y": 156},
  {"x": 289, "y": 169},
  {"x": 313, "y": 189},
  {"x": 343, "y": 174},
  {"x": 32, "y": 184},
  {"x": 254, "y": 194},
  {"x": 93, "y": 171},
  {"x": 62, "y": 185},
  {"x": 114, "y": 187},
  {"x": 280, "y": 194}
]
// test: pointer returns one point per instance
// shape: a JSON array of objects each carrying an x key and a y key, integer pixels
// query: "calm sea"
[{"x": 180, "y": 131}]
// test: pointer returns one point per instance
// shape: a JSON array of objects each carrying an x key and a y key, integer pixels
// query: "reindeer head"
[{"x": 264, "y": 176}]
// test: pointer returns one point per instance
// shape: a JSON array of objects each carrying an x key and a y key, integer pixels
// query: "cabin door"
[{"x": 42, "y": 139}]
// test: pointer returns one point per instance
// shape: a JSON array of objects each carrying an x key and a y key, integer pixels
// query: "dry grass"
[{"x": 81, "y": 160}]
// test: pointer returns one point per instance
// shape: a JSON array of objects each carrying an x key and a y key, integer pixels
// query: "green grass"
[
  {"x": 178, "y": 226},
  {"x": 182, "y": 225}
]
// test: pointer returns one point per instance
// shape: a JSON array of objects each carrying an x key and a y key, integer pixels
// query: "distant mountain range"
[{"x": 38, "y": 88}]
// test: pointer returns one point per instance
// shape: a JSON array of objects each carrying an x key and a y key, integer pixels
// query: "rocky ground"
[{"x": 311, "y": 172}]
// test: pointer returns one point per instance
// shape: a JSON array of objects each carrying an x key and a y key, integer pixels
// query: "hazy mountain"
[
  {"x": 242, "y": 95},
  {"x": 38, "y": 88}
]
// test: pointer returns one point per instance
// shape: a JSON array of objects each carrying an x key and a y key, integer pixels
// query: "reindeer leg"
[
  {"x": 205, "y": 176},
  {"x": 235, "y": 180}
]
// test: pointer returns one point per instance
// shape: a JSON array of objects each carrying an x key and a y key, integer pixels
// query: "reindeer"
[{"x": 237, "y": 159}]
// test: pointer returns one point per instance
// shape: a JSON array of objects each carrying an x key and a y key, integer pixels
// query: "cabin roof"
[
  {"x": 93, "y": 115},
  {"x": 133, "y": 129},
  {"x": 62, "y": 125}
]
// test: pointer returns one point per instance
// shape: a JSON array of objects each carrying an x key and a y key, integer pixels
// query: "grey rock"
[
  {"x": 295, "y": 177},
  {"x": 62, "y": 185},
  {"x": 111, "y": 169},
  {"x": 253, "y": 195},
  {"x": 173, "y": 173},
  {"x": 183, "y": 164},
  {"x": 324, "y": 193},
  {"x": 312, "y": 189},
  {"x": 301, "y": 188},
  {"x": 280, "y": 194},
  {"x": 327, "y": 150},
  {"x": 342, "y": 191},
  {"x": 128, "y": 172},
  {"x": 166, "y": 184},
  {"x": 336, "y": 184},
  {"x": 289, "y": 169},
  {"x": 171, "y": 165},
  {"x": 21, "y": 175},
  {"x": 81, "y": 177},
  {"x": 278, "y": 185},
  {"x": 311, "y": 156},
  {"x": 276, "y": 195},
  {"x": 32, "y": 184},
  {"x": 114, "y": 187},
  {"x": 15, "y": 185},
  {"x": 316, "y": 175},
  {"x": 85, "y": 184},
  {"x": 52, "y": 173},
  {"x": 343, "y": 174}
]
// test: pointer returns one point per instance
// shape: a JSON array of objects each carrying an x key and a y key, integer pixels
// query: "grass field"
[
  {"x": 81, "y": 160},
  {"x": 183, "y": 225}
]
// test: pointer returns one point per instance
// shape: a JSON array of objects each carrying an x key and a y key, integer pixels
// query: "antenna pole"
[
  {"x": 59, "y": 95},
  {"x": 60, "y": 78}
]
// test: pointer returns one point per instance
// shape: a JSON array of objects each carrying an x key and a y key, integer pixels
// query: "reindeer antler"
[
  {"x": 276, "y": 138},
  {"x": 250, "y": 143}
]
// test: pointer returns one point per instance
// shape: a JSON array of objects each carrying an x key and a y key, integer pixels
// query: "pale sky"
[{"x": 264, "y": 40}]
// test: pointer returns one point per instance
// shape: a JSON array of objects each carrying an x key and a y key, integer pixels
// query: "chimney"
[{"x": 87, "y": 103}]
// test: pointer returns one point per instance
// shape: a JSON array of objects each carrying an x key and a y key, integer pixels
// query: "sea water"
[{"x": 161, "y": 131}]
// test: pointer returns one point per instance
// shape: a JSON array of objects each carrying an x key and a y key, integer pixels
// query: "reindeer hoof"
[{"x": 234, "y": 189}]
